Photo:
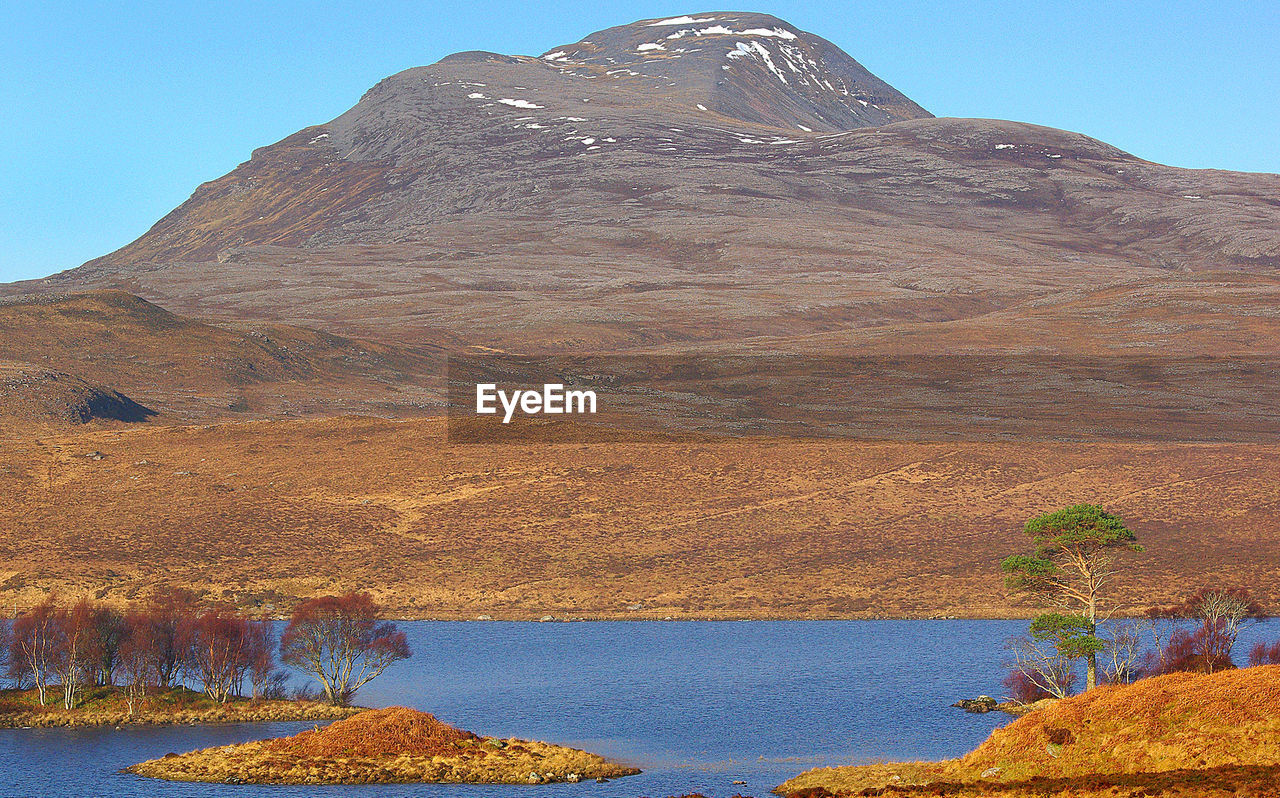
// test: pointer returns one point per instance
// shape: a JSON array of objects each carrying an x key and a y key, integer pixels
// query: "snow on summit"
[
  {"x": 680, "y": 21},
  {"x": 753, "y": 67}
]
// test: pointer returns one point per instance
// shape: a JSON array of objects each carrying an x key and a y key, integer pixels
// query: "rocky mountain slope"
[{"x": 715, "y": 179}]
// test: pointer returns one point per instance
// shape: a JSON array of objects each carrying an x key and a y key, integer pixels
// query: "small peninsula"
[
  {"x": 393, "y": 746},
  {"x": 1185, "y": 735}
]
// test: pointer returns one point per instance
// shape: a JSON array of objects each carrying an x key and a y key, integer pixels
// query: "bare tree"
[
  {"x": 340, "y": 641},
  {"x": 72, "y": 657},
  {"x": 108, "y": 631},
  {"x": 261, "y": 657},
  {"x": 216, "y": 649},
  {"x": 1124, "y": 647},
  {"x": 1043, "y": 664},
  {"x": 1228, "y": 609},
  {"x": 168, "y": 614},
  {"x": 35, "y": 641},
  {"x": 138, "y": 663}
]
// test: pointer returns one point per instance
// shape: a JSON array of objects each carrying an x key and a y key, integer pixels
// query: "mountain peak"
[{"x": 748, "y": 66}]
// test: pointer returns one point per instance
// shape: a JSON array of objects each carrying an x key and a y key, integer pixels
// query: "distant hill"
[
  {"x": 103, "y": 355},
  {"x": 29, "y": 393}
]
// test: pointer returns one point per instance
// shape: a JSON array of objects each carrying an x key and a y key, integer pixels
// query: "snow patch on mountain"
[
  {"x": 781, "y": 33},
  {"x": 686, "y": 20}
]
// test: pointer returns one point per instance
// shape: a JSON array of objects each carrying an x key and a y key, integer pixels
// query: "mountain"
[
  {"x": 709, "y": 180},
  {"x": 653, "y": 190}
]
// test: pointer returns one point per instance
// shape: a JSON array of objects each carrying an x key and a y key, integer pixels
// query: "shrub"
[
  {"x": 1206, "y": 649},
  {"x": 1022, "y": 688},
  {"x": 1262, "y": 654}
]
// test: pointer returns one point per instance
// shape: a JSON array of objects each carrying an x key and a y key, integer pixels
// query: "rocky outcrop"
[{"x": 34, "y": 393}]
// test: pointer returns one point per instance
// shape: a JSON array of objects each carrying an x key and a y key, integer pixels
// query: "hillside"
[
  {"x": 108, "y": 355},
  {"x": 1178, "y": 735},
  {"x": 29, "y": 393}
]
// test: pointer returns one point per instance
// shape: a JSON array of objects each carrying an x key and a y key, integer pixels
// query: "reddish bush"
[
  {"x": 1263, "y": 654},
  {"x": 1207, "y": 649},
  {"x": 1022, "y": 688},
  {"x": 377, "y": 733}
]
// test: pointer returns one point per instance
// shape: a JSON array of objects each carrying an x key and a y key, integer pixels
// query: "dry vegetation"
[
  {"x": 395, "y": 745},
  {"x": 265, "y": 513},
  {"x": 1177, "y": 735},
  {"x": 108, "y": 706}
]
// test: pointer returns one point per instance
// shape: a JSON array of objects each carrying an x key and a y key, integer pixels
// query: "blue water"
[{"x": 696, "y": 706}]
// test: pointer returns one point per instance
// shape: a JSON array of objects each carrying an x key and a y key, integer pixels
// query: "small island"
[
  {"x": 112, "y": 706},
  {"x": 91, "y": 664},
  {"x": 391, "y": 746},
  {"x": 1185, "y": 735}
]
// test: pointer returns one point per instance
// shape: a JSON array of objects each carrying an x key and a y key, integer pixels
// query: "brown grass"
[
  {"x": 1178, "y": 735},
  {"x": 1155, "y": 725},
  {"x": 266, "y": 513},
  {"x": 395, "y": 745},
  {"x": 375, "y": 733}
]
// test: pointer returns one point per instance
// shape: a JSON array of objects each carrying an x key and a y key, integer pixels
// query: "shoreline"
[
  {"x": 179, "y": 708},
  {"x": 631, "y": 617}
]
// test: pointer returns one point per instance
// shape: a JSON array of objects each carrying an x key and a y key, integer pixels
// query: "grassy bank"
[
  {"x": 395, "y": 745},
  {"x": 1178, "y": 735},
  {"x": 109, "y": 706}
]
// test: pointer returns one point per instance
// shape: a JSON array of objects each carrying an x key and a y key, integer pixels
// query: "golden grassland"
[
  {"x": 1178, "y": 735},
  {"x": 394, "y": 745},
  {"x": 108, "y": 706},
  {"x": 266, "y": 513}
]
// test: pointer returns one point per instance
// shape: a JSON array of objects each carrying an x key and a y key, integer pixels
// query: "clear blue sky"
[{"x": 114, "y": 112}]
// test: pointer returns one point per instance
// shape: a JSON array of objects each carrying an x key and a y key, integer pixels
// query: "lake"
[{"x": 696, "y": 705}]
